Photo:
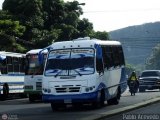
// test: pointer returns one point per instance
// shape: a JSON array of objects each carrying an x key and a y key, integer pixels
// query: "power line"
[{"x": 126, "y": 10}]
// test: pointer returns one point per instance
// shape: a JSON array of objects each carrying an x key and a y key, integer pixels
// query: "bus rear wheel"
[
  {"x": 5, "y": 92},
  {"x": 34, "y": 97},
  {"x": 31, "y": 98}
]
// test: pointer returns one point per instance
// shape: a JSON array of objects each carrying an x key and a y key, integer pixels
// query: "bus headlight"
[
  {"x": 46, "y": 90},
  {"x": 49, "y": 90},
  {"x": 89, "y": 89}
]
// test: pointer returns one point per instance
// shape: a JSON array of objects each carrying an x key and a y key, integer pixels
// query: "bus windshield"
[
  {"x": 32, "y": 65},
  {"x": 70, "y": 62}
]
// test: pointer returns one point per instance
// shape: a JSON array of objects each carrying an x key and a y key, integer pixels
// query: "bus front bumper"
[{"x": 85, "y": 97}]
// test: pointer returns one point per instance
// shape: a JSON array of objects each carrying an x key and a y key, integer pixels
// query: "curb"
[{"x": 120, "y": 110}]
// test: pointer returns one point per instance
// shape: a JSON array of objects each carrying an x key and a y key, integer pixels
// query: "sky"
[{"x": 108, "y": 15}]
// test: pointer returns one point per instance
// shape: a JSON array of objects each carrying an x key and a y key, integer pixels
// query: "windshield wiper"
[
  {"x": 58, "y": 73},
  {"x": 78, "y": 73}
]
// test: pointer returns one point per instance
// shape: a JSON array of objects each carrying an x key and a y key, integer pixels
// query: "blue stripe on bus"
[
  {"x": 13, "y": 74},
  {"x": 75, "y": 98},
  {"x": 16, "y": 88},
  {"x": 9, "y": 83}
]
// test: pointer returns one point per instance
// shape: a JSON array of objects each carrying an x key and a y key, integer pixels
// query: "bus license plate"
[{"x": 67, "y": 101}]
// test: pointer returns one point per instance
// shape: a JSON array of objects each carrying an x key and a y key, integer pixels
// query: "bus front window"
[
  {"x": 70, "y": 62},
  {"x": 32, "y": 65}
]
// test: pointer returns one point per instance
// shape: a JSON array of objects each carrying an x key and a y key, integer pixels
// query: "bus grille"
[
  {"x": 38, "y": 85},
  {"x": 67, "y": 89}
]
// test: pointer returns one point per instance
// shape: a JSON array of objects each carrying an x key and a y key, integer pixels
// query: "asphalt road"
[
  {"x": 150, "y": 112},
  {"x": 21, "y": 109}
]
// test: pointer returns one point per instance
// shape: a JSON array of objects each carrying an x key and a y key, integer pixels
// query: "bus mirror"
[{"x": 41, "y": 55}]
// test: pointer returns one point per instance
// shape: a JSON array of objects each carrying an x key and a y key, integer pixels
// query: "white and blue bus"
[
  {"x": 84, "y": 71},
  {"x": 12, "y": 67},
  {"x": 33, "y": 74}
]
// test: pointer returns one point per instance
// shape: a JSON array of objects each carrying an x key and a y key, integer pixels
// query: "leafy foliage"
[
  {"x": 9, "y": 28},
  {"x": 101, "y": 35},
  {"x": 129, "y": 69},
  {"x": 153, "y": 61},
  {"x": 39, "y": 23}
]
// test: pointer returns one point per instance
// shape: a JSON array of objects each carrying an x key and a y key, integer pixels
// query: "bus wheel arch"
[
  {"x": 115, "y": 100},
  {"x": 100, "y": 99}
]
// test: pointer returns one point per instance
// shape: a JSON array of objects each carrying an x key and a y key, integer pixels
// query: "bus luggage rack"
[{"x": 67, "y": 89}]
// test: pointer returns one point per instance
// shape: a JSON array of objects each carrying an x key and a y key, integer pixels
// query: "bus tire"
[
  {"x": 102, "y": 98},
  {"x": 100, "y": 102},
  {"x": 5, "y": 91},
  {"x": 22, "y": 95},
  {"x": 31, "y": 98},
  {"x": 115, "y": 100}
]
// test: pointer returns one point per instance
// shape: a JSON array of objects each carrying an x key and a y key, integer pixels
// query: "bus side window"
[
  {"x": 99, "y": 65},
  {"x": 107, "y": 57},
  {"x": 116, "y": 56},
  {"x": 116, "y": 60},
  {"x": 3, "y": 66},
  {"x": 110, "y": 56},
  {"x": 22, "y": 65},
  {"x": 9, "y": 64},
  {"x": 16, "y": 64},
  {"x": 104, "y": 56},
  {"x": 121, "y": 56},
  {"x": 99, "y": 60}
]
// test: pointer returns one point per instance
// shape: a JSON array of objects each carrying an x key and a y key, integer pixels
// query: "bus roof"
[
  {"x": 11, "y": 54},
  {"x": 36, "y": 51},
  {"x": 82, "y": 43}
]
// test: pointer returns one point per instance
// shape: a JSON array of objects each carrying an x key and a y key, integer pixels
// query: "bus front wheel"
[
  {"x": 115, "y": 100},
  {"x": 100, "y": 101}
]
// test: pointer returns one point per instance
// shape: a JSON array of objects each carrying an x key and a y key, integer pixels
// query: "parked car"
[{"x": 149, "y": 79}]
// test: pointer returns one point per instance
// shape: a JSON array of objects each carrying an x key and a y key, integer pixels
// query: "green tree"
[
  {"x": 9, "y": 30},
  {"x": 50, "y": 20},
  {"x": 101, "y": 35},
  {"x": 85, "y": 28},
  {"x": 129, "y": 69},
  {"x": 12, "y": 28},
  {"x": 29, "y": 13},
  {"x": 153, "y": 61}
]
